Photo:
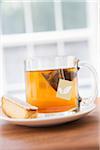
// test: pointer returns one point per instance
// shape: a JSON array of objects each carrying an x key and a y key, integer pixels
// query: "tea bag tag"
[{"x": 64, "y": 89}]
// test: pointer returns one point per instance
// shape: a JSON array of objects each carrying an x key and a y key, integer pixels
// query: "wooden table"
[{"x": 81, "y": 134}]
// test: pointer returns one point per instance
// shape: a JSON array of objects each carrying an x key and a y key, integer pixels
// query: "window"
[
  {"x": 45, "y": 28},
  {"x": 12, "y": 18},
  {"x": 74, "y": 15},
  {"x": 43, "y": 16}
]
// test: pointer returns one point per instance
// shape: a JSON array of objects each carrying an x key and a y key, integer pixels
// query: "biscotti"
[{"x": 15, "y": 108}]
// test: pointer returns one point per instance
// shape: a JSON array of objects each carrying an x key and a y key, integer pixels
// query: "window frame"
[{"x": 31, "y": 38}]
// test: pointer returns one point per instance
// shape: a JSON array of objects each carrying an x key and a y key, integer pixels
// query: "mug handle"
[{"x": 91, "y": 99}]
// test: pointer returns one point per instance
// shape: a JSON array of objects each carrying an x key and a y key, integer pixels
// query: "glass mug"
[{"x": 52, "y": 83}]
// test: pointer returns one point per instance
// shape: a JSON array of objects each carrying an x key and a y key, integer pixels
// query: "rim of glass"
[{"x": 37, "y": 63}]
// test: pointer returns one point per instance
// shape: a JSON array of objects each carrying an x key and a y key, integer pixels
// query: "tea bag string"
[{"x": 62, "y": 73}]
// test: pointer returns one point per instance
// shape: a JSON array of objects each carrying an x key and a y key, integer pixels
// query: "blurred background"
[{"x": 46, "y": 28}]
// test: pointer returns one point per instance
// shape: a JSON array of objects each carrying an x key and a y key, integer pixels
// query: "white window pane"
[
  {"x": 74, "y": 14},
  {"x": 12, "y": 17},
  {"x": 46, "y": 50},
  {"x": 43, "y": 16},
  {"x": 14, "y": 64},
  {"x": 78, "y": 49}
]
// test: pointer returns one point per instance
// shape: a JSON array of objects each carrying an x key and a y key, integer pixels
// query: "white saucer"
[{"x": 51, "y": 118}]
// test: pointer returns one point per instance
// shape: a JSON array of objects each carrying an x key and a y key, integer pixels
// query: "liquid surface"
[{"x": 41, "y": 89}]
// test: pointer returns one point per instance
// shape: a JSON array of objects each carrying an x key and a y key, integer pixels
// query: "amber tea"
[{"x": 52, "y": 90}]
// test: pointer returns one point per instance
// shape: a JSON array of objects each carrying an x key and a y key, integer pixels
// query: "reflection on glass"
[
  {"x": 43, "y": 16},
  {"x": 74, "y": 14}
]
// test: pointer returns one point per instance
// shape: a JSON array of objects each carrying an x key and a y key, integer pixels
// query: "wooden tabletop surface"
[{"x": 81, "y": 134}]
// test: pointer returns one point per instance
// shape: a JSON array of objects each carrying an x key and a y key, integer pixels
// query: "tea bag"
[
  {"x": 67, "y": 74},
  {"x": 53, "y": 78},
  {"x": 70, "y": 74}
]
